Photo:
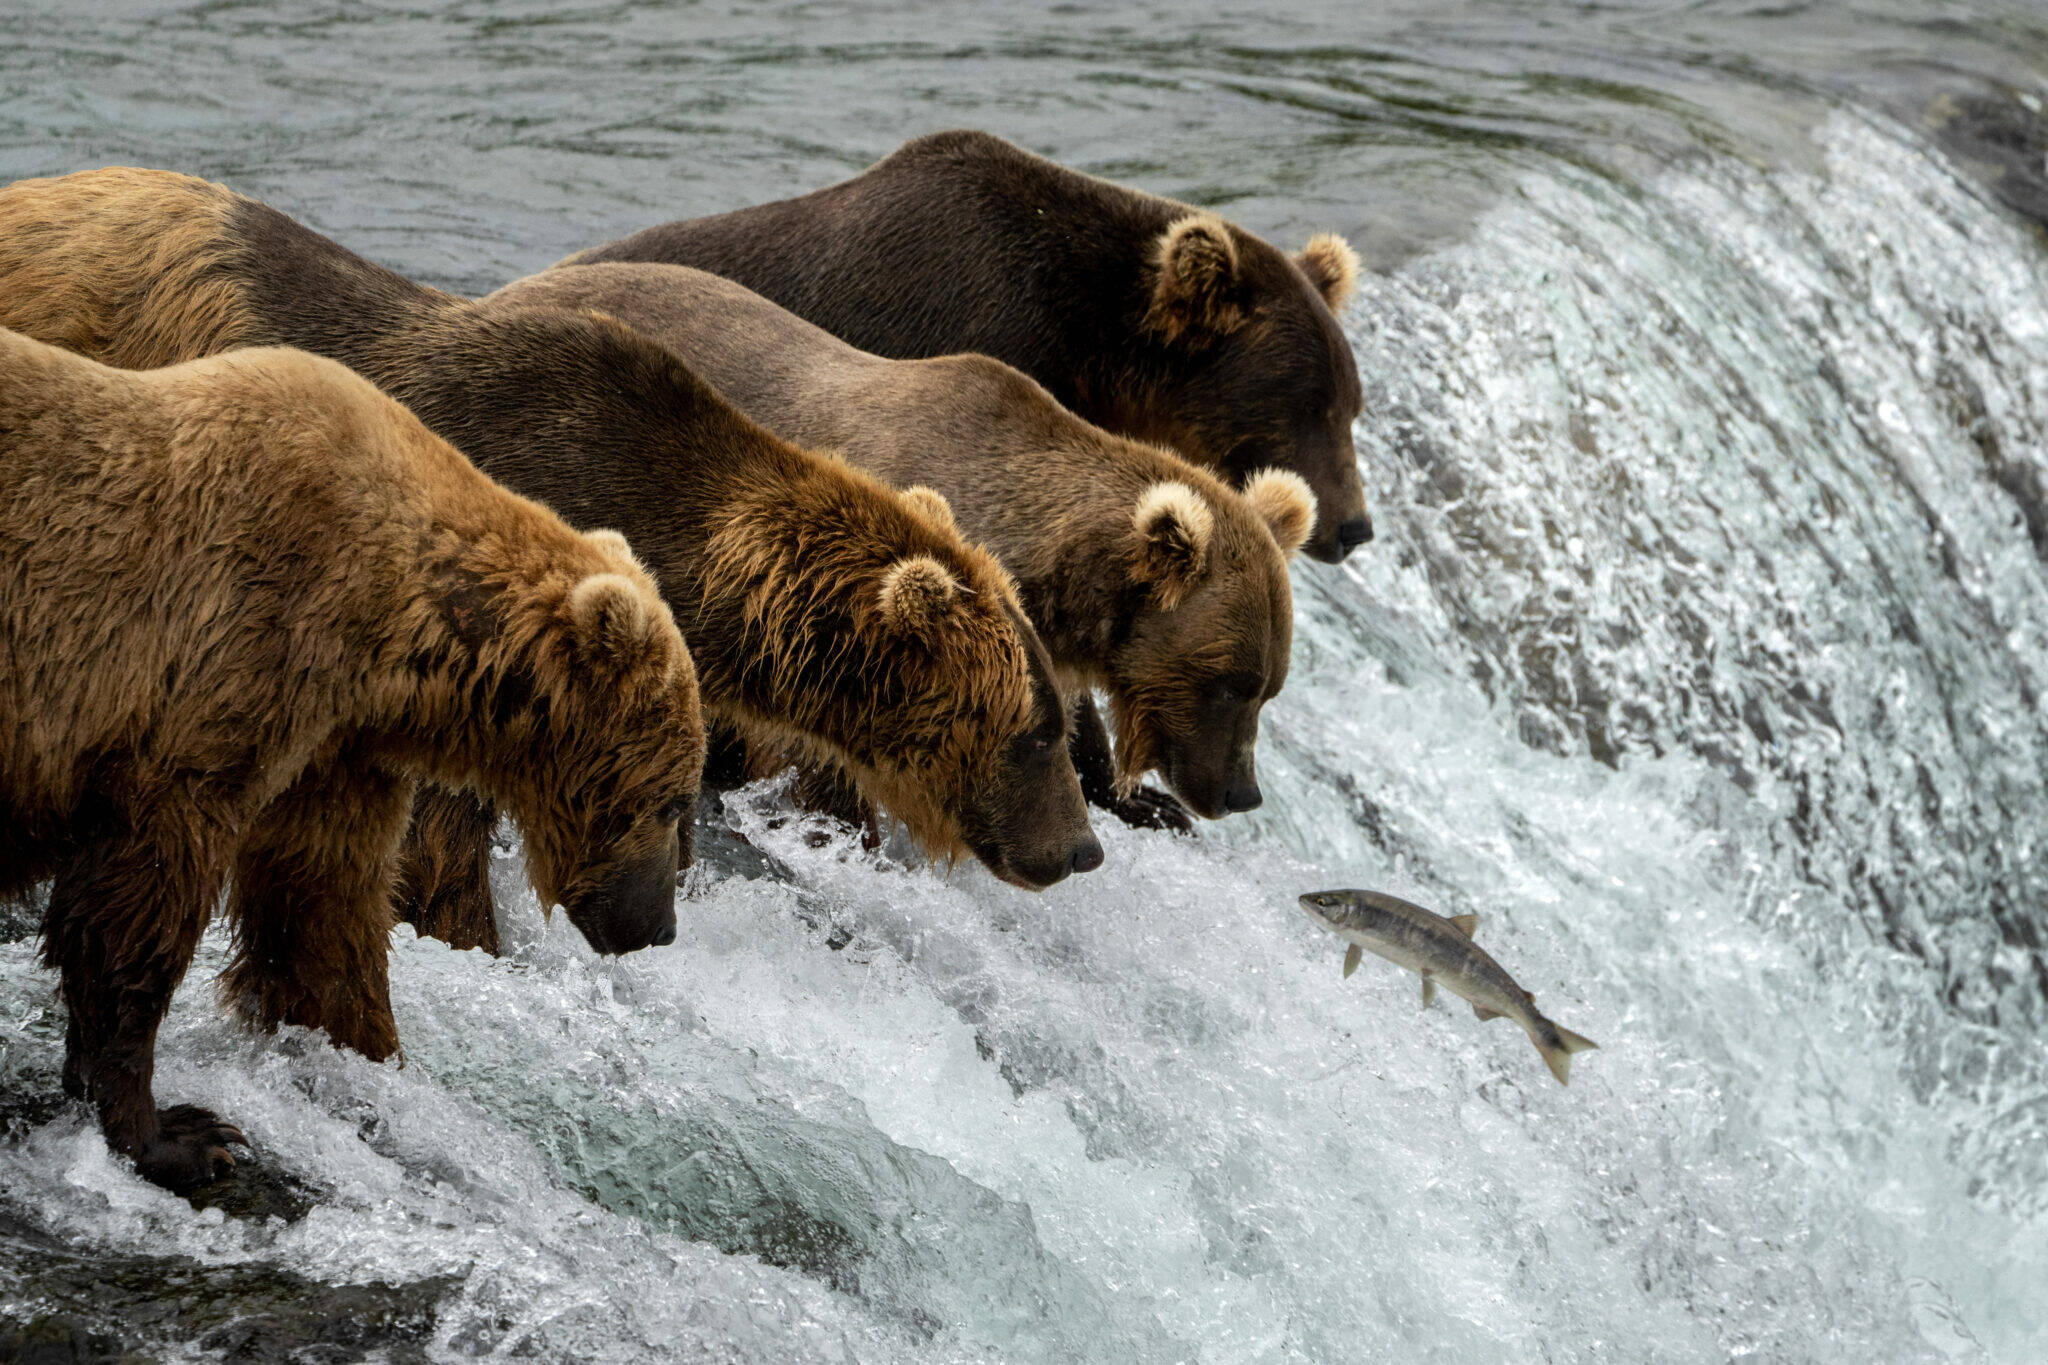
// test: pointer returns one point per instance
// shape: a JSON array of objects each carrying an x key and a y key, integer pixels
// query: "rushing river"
[{"x": 1703, "y": 653}]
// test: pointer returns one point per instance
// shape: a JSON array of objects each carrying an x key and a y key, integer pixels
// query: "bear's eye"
[
  {"x": 1237, "y": 688},
  {"x": 673, "y": 812}
]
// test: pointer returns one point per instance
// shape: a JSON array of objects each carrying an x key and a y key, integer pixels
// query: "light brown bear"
[
  {"x": 1145, "y": 576},
  {"x": 1150, "y": 318},
  {"x": 829, "y": 618},
  {"x": 246, "y": 602}
]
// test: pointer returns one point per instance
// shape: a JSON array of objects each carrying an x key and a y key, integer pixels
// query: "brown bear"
[
  {"x": 1144, "y": 575},
  {"x": 245, "y": 603},
  {"x": 829, "y": 618},
  {"x": 1148, "y": 317}
]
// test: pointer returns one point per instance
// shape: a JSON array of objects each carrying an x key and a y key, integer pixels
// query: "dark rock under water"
[{"x": 66, "y": 1306}]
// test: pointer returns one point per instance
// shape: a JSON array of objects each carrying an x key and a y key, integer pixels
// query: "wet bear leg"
[
  {"x": 1095, "y": 764},
  {"x": 123, "y": 922},
  {"x": 311, "y": 905},
  {"x": 444, "y": 869}
]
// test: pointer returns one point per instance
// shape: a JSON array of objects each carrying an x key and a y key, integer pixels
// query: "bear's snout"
[
  {"x": 630, "y": 905},
  {"x": 1354, "y": 533}
]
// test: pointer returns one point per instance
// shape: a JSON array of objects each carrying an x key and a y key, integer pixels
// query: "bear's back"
[{"x": 195, "y": 548}]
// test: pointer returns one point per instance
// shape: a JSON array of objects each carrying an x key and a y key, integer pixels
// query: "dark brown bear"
[
  {"x": 1145, "y": 316},
  {"x": 245, "y": 603},
  {"x": 1145, "y": 575},
  {"x": 829, "y": 619}
]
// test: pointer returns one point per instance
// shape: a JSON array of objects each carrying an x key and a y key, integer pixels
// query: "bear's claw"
[
  {"x": 1150, "y": 808},
  {"x": 190, "y": 1148}
]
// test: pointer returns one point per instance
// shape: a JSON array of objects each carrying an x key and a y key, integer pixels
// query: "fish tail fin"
[{"x": 1558, "y": 1056}]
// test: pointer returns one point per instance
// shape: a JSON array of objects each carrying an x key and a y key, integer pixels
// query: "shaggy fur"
[
  {"x": 1146, "y": 576},
  {"x": 201, "y": 693},
  {"x": 772, "y": 557},
  {"x": 1145, "y": 316}
]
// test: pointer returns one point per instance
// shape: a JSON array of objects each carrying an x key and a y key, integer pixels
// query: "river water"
[{"x": 1702, "y": 653}]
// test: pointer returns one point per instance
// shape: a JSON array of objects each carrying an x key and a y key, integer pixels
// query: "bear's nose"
[
  {"x": 1087, "y": 855},
  {"x": 664, "y": 936},
  {"x": 1243, "y": 799},
  {"x": 1355, "y": 532}
]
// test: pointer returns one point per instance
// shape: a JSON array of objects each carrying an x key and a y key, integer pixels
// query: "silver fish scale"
[{"x": 1425, "y": 942}]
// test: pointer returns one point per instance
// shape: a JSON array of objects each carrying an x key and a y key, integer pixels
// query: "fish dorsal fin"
[
  {"x": 1468, "y": 925},
  {"x": 1485, "y": 1013},
  {"x": 1352, "y": 957},
  {"x": 1428, "y": 990}
]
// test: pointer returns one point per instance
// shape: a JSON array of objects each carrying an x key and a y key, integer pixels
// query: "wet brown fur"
[
  {"x": 202, "y": 693},
  {"x": 1147, "y": 317},
  {"x": 1058, "y": 499},
  {"x": 771, "y": 556}
]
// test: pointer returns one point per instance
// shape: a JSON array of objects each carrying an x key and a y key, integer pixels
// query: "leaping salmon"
[{"x": 1440, "y": 948}]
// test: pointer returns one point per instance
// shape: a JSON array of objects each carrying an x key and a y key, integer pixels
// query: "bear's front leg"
[
  {"x": 123, "y": 922},
  {"x": 443, "y": 886},
  {"x": 311, "y": 905},
  {"x": 1095, "y": 765}
]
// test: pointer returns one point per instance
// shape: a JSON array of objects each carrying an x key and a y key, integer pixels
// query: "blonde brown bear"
[{"x": 245, "y": 604}]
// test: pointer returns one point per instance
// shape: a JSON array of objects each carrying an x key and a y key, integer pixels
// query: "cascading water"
[{"x": 1701, "y": 654}]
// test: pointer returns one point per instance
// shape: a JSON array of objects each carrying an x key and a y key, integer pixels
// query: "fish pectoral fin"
[
  {"x": 1574, "y": 1042},
  {"x": 1352, "y": 957},
  {"x": 1428, "y": 990},
  {"x": 1485, "y": 1013},
  {"x": 1468, "y": 925}
]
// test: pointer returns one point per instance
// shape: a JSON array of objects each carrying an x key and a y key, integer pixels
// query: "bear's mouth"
[
  {"x": 1208, "y": 805},
  {"x": 1009, "y": 874}
]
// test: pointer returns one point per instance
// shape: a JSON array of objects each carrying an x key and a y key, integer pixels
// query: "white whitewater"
[{"x": 1714, "y": 479}]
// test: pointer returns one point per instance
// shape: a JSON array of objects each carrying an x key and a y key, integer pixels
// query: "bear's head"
[
  {"x": 1253, "y": 370},
  {"x": 1208, "y": 641},
  {"x": 608, "y": 753},
  {"x": 941, "y": 702}
]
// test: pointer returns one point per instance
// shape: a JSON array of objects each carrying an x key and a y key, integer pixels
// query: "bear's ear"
[
  {"x": 616, "y": 629},
  {"x": 1174, "y": 528},
  {"x": 611, "y": 542},
  {"x": 1283, "y": 501},
  {"x": 931, "y": 504},
  {"x": 1331, "y": 266},
  {"x": 1195, "y": 279},
  {"x": 917, "y": 595}
]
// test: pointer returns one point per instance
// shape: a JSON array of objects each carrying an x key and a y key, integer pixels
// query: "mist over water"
[{"x": 1701, "y": 653}]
